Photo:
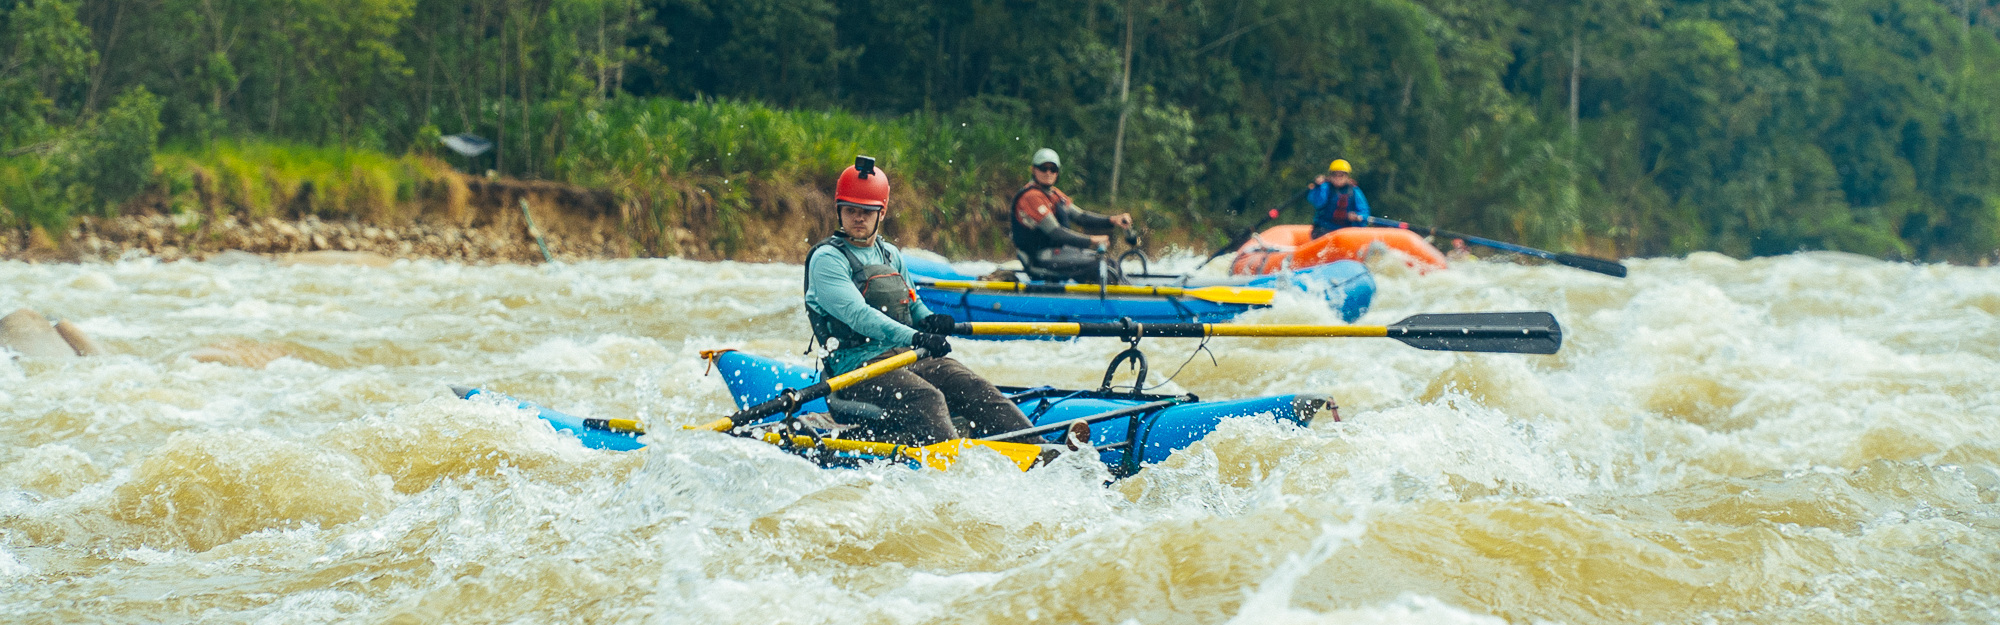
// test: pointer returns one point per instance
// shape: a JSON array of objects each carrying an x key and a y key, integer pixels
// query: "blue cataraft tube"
[
  {"x": 1154, "y": 432},
  {"x": 1345, "y": 285},
  {"x": 593, "y": 433}
]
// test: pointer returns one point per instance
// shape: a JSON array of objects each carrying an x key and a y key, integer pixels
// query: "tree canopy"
[{"x": 1632, "y": 126}]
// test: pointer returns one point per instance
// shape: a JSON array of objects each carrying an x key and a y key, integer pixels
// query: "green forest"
[{"x": 1627, "y": 127}]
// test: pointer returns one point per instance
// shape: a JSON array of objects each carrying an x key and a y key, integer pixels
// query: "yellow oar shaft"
[
  {"x": 871, "y": 448},
  {"x": 938, "y": 456},
  {"x": 630, "y": 426},
  {"x": 858, "y": 376},
  {"x": 816, "y": 391},
  {"x": 1172, "y": 330}
]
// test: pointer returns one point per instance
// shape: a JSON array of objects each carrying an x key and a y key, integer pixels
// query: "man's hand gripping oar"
[{"x": 939, "y": 455}]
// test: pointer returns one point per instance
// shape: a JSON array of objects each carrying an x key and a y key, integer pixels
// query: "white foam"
[{"x": 11, "y": 566}]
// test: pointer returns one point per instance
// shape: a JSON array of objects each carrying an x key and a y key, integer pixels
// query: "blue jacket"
[{"x": 1327, "y": 206}]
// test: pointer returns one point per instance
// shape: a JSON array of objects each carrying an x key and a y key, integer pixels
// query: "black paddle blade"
[
  {"x": 1511, "y": 332},
  {"x": 1586, "y": 263}
]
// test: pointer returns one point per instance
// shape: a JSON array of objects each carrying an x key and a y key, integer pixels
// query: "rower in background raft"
[
  {"x": 1044, "y": 229},
  {"x": 863, "y": 309},
  {"x": 1340, "y": 212},
  {"x": 1337, "y": 201}
]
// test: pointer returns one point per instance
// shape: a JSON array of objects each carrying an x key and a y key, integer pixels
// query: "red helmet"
[{"x": 863, "y": 186}]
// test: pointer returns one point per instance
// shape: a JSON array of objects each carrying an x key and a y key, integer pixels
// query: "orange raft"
[{"x": 1290, "y": 247}]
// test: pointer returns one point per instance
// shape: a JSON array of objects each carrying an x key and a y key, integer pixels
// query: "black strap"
[{"x": 816, "y": 320}]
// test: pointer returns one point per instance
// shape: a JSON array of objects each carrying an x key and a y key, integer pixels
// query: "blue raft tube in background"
[{"x": 1346, "y": 287}]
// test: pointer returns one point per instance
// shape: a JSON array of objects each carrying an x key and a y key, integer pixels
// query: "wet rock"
[
  {"x": 29, "y": 333},
  {"x": 78, "y": 341}
]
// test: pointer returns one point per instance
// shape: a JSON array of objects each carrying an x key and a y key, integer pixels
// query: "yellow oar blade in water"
[{"x": 1218, "y": 294}]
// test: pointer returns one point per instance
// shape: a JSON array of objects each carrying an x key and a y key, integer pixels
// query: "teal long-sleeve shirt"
[{"x": 830, "y": 291}]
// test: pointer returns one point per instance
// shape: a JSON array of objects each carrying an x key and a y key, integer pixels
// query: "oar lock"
[
  {"x": 789, "y": 406},
  {"x": 1131, "y": 332}
]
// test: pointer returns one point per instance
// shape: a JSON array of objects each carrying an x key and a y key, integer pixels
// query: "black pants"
[
  {"x": 1069, "y": 263},
  {"x": 921, "y": 402}
]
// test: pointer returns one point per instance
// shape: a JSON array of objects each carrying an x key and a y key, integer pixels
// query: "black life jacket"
[
  {"x": 1027, "y": 240},
  {"x": 881, "y": 286}
]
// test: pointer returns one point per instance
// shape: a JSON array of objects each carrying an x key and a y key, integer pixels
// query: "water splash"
[{"x": 1796, "y": 439}]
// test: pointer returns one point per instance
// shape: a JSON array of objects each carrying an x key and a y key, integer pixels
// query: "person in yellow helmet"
[{"x": 1337, "y": 201}]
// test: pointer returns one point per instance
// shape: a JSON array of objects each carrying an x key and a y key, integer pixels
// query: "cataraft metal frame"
[{"x": 1129, "y": 428}]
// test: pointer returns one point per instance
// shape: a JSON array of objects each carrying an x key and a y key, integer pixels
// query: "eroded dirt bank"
[
  {"x": 460, "y": 218},
  {"x": 473, "y": 219}
]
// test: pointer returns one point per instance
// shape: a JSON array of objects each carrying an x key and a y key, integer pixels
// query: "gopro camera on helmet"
[{"x": 864, "y": 166}]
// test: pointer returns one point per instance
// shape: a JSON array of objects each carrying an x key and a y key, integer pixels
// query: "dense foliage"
[{"x": 1628, "y": 126}]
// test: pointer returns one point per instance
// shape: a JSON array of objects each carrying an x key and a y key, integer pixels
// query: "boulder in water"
[
  {"x": 29, "y": 333},
  {"x": 82, "y": 343}
]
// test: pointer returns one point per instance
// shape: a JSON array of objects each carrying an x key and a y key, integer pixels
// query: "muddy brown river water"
[{"x": 1804, "y": 439}]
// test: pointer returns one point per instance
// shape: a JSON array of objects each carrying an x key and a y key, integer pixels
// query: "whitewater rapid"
[{"x": 1812, "y": 438}]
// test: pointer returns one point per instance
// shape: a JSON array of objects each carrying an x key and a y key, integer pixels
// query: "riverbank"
[{"x": 264, "y": 200}]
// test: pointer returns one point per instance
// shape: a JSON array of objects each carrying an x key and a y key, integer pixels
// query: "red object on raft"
[{"x": 1292, "y": 247}]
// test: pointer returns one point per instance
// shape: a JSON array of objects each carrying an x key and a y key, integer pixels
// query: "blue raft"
[
  {"x": 1154, "y": 427},
  {"x": 1346, "y": 286}
]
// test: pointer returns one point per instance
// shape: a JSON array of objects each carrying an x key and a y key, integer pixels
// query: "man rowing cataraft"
[
  {"x": 863, "y": 309},
  {"x": 1043, "y": 218}
]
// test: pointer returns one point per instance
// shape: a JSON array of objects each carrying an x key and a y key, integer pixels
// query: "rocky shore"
[{"x": 177, "y": 237}]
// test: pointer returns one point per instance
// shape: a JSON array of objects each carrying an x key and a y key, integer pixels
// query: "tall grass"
[
  {"x": 725, "y": 172},
  {"x": 25, "y": 200},
  {"x": 717, "y": 164},
  {"x": 263, "y": 178}
]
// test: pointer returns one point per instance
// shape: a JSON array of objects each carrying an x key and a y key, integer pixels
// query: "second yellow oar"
[
  {"x": 1217, "y": 294},
  {"x": 937, "y": 456}
]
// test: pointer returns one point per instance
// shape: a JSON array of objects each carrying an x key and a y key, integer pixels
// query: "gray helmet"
[{"x": 1045, "y": 155}]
